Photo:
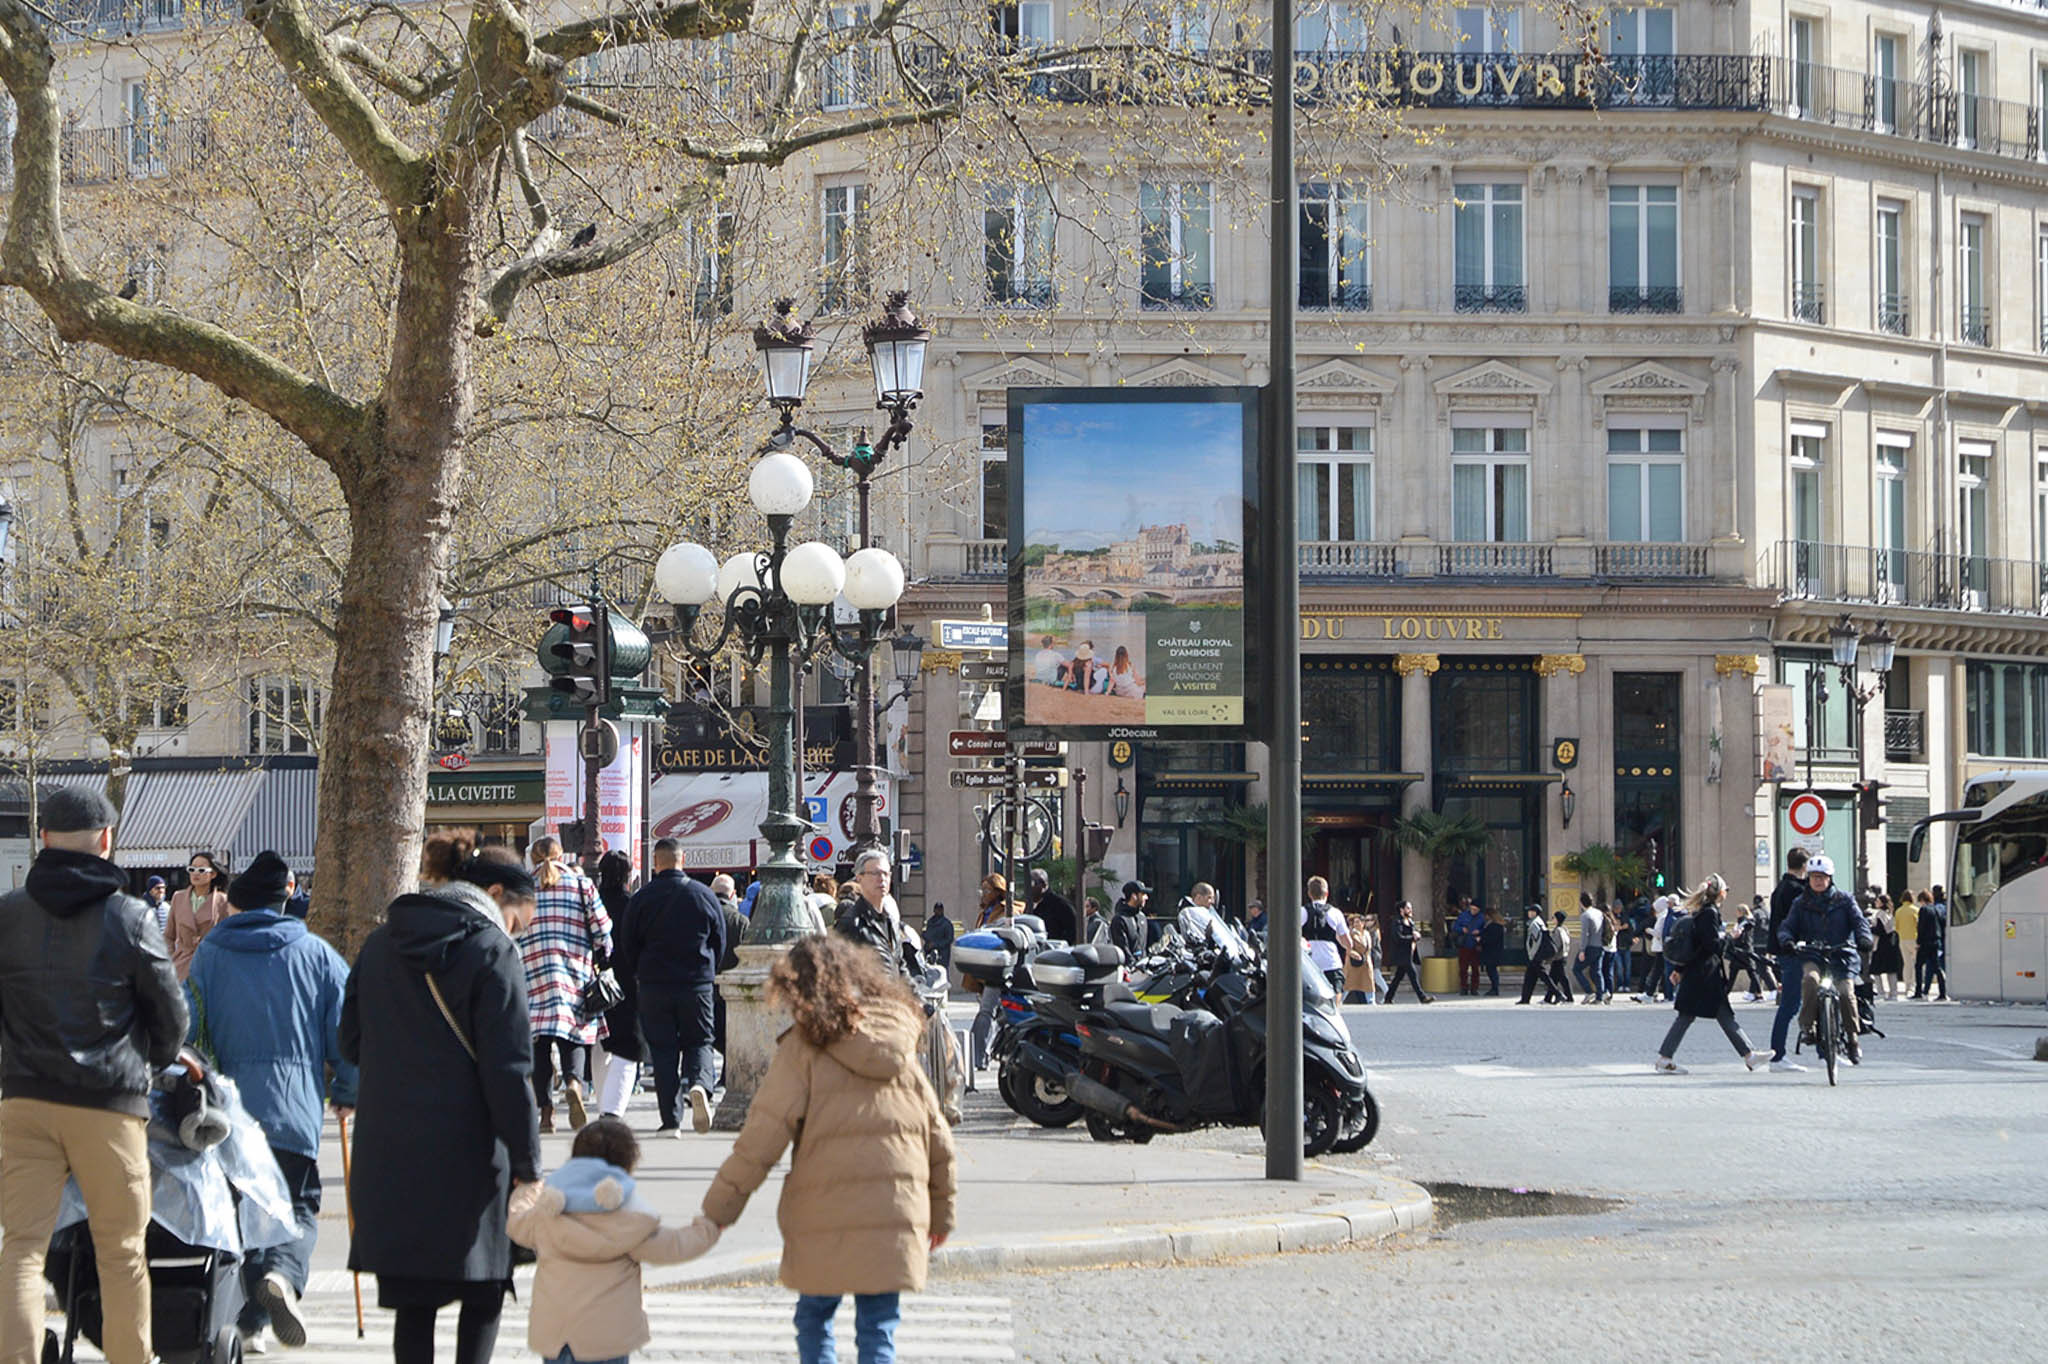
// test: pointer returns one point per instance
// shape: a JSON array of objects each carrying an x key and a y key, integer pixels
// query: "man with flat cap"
[
  {"x": 266, "y": 1010},
  {"x": 90, "y": 1011}
]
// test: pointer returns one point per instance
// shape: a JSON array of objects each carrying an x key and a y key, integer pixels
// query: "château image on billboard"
[{"x": 1129, "y": 516}]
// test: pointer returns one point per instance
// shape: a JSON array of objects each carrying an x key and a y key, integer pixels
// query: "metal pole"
[
  {"x": 780, "y": 915},
  {"x": 593, "y": 717},
  {"x": 867, "y": 820},
  {"x": 1077, "y": 833},
  {"x": 1282, "y": 609}
]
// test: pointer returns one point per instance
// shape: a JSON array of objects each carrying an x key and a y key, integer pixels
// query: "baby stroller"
[{"x": 215, "y": 1190}]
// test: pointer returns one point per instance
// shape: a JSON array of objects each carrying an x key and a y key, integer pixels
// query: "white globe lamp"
[
  {"x": 737, "y": 572},
  {"x": 780, "y": 485},
  {"x": 874, "y": 579},
  {"x": 686, "y": 575},
  {"x": 812, "y": 573}
]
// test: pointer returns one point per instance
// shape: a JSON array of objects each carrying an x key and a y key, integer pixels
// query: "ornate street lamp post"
[
  {"x": 1855, "y": 652},
  {"x": 777, "y": 604},
  {"x": 896, "y": 344}
]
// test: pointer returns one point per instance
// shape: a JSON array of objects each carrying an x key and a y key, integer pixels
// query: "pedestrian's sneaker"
[
  {"x": 1751, "y": 998},
  {"x": 1664, "y": 1065},
  {"x": 1642, "y": 999},
  {"x": 1754, "y": 1059},
  {"x": 256, "y": 1342},
  {"x": 700, "y": 1108},
  {"x": 277, "y": 1298},
  {"x": 1785, "y": 1065},
  {"x": 578, "y": 1114}
]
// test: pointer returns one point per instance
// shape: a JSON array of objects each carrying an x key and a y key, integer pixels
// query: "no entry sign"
[{"x": 1807, "y": 814}]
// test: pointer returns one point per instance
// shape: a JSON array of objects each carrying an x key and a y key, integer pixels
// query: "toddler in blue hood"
[{"x": 592, "y": 1232}]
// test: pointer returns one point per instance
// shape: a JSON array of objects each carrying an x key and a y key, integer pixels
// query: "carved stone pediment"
[
  {"x": 990, "y": 385},
  {"x": 1648, "y": 387},
  {"x": 1494, "y": 384},
  {"x": 1340, "y": 384},
  {"x": 1181, "y": 372}
]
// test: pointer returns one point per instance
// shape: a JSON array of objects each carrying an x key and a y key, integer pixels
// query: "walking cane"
[{"x": 349, "y": 1204}]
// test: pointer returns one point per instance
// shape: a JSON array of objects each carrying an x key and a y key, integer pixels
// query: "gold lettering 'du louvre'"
[{"x": 1447, "y": 628}]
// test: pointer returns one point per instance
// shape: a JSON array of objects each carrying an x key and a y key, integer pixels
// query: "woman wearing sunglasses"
[{"x": 197, "y": 908}]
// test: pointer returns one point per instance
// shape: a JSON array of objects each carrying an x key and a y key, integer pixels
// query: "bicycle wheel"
[{"x": 1829, "y": 1030}]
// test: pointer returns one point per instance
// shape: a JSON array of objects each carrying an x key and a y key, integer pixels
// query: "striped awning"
[
  {"x": 14, "y": 790},
  {"x": 281, "y": 818},
  {"x": 170, "y": 815}
]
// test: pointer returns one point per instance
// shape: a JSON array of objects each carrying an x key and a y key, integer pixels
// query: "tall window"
[
  {"x": 2041, "y": 278},
  {"x": 145, "y": 130},
  {"x": 1642, "y": 249},
  {"x": 1027, "y": 24},
  {"x": 711, "y": 240},
  {"x": 1970, "y": 104},
  {"x": 1193, "y": 26},
  {"x": 995, "y": 474},
  {"x": 158, "y": 705},
  {"x": 1808, "y": 442},
  {"x": 1331, "y": 26},
  {"x": 1886, "y": 89},
  {"x": 2041, "y": 531},
  {"x": 2008, "y": 709},
  {"x": 1641, "y": 41},
  {"x": 1335, "y": 248},
  {"x": 1645, "y": 484},
  {"x": 1832, "y": 725},
  {"x": 1489, "y": 249},
  {"x": 1808, "y": 302},
  {"x": 1490, "y": 483},
  {"x": 1489, "y": 28},
  {"x": 848, "y": 79},
  {"x": 1973, "y": 517},
  {"x": 1802, "y": 47},
  {"x": 845, "y": 280},
  {"x": 2041, "y": 112},
  {"x": 1017, "y": 231},
  {"x": 1893, "y": 455},
  {"x": 1176, "y": 223},
  {"x": 1974, "y": 320},
  {"x": 284, "y": 715},
  {"x": 1333, "y": 468},
  {"x": 1891, "y": 267}
]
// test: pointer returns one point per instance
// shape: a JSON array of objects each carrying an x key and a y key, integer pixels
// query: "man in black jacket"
[
  {"x": 673, "y": 944},
  {"x": 1790, "y": 887},
  {"x": 1127, "y": 927},
  {"x": 90, "y": 1011},
  {"x": 1061, "y": 923}
]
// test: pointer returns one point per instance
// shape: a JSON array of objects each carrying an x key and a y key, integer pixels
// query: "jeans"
[
  {"x": 1621, "y": 969},
  {"x": 875, "y": 1317},
  {"x": 1928, "y": 970},
  {"x": 568, "y": 1356},
  {"x": 107, "y": 1153},
  {"x": 1788, "y": 1004},
  {"x": 1405, "y": 971},
  {"x": 1492, "y": 977},
  {"x": 678, "y": 1022},
  {"x": 985, "y": 1024},
  {"x": 302, "y": 1182}
]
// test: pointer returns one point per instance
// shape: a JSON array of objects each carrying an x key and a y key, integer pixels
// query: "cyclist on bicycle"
[{"x": 1825, "y": 915}]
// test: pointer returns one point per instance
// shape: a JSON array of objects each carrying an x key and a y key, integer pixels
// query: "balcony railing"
[
  {"x": 1943, "y": 580},
  {"x": 1190, "y": 298},
  {"x": 1349, "y": 559},
  {"x": 1339, "y": 297},
  {"x": 1905, "y": 736},
  {"x": 1809, "y": 303},
  {"x": 1891, "y": 314},
  {"x": 125, "y": 151},
  {"x": 1492, "y": 298},
  {"x": 1975, "y": 329},
  {"x": 1611, "y": 561},
  {"x": 1494, "y": 559},
  {"x": 1629, "y": 560},
  {"x": 1913, "y": 109},
  {"x": 968, "y": 560},
  {"x": 1631, "y": 299},
  {"x": 1020, "y": 293}
]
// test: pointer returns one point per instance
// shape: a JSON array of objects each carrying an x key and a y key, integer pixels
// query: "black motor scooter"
[{"x": 1146, "y": 1069}]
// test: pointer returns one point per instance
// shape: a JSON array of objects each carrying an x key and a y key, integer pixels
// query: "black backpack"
[{"x": 1682, "y": 945}]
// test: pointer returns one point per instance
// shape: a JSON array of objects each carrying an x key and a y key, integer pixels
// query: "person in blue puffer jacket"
[
  {"x": 1825, "y": 915},
  {"x": 266, "y": 1011}
]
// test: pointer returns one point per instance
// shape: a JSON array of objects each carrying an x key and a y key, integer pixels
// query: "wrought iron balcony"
[
  {"x": 1891, "y": 314},
  {"x": 1632, "y": 298},
  {"x": 1492, "y": 298},
  {"x": 1944, "y": 580},
  {"x": 1010, "y": 291},
  {"x": 1905, "y": 736},
  {"x": 1606, "y": 561},
  {"x": 1189, "y": 298},
  {"x": 1975, "y": 327},
  {"x": 1320, "y": 293},
  {"x": 1809, "y": 303}
]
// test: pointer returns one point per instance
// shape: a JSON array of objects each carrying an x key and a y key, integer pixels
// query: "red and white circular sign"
[{"x": 1807, "y": 814}]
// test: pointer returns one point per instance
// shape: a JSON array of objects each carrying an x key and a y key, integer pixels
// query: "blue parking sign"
[{"x": 814, "y": 809}]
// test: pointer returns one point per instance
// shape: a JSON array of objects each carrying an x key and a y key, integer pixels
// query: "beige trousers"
[
  {"x": 40, "y": 1144},
  {"x": 1809, "y": 1000}
]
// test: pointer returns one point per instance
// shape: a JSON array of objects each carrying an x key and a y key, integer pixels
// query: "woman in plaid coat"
[{"x": 568, "y": 932}]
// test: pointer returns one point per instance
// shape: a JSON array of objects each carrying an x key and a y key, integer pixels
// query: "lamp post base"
[{"x": 751, "y": 1027}]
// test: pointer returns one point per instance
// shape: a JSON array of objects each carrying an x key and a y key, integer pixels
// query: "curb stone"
[{"x": 1401, "y": 1206}]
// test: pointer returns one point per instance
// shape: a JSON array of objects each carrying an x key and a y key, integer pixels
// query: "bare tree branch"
[
  {"x": 653, "y": 24},
  {"x": 393, "y": 167}
]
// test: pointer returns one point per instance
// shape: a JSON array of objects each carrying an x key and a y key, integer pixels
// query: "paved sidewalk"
[{"x": 1029, "y": 1197}]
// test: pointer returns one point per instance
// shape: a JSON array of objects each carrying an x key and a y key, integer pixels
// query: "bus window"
[{"x": 1996, "y": 852}]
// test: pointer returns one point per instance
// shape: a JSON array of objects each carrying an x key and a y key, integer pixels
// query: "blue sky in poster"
[{"x": 1095, "y": 472}]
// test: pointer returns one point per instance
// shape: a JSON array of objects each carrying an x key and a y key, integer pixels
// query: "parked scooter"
[{"x": 1145, "y": 1069}]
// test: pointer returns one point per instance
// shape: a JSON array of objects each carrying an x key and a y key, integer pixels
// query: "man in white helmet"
[{"x": 1827, "y": 916}]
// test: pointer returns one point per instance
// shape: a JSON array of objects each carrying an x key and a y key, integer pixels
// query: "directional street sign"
[
  {"x": 985, "y": 670},
  {"x": 994, "y": 778},
  {"x": 992, "y": 743},
  {"x": 992, "y": 636}
]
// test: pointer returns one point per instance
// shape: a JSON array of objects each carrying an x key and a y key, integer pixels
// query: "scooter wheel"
[
  {"x": 1006, "y": 1085},
  {"x": 1367, "y": 1129},
  {"x": 1043, "y": 1101},
  {"x": 1322, "y": 1121}
]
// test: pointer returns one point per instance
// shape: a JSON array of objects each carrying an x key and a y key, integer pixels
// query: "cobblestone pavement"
[{"x": 1902, "y": 1215}]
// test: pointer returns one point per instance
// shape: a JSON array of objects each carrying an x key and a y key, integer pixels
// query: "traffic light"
[
  {"x": 1869, "y": 808},
  {"x": 1095, "y": 841},
  {"x": 586, "y": 650},
  {"x": 1656, "y": 867}
]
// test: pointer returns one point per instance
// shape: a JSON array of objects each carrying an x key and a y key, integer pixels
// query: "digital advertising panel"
[{"x": 1130, "y": 514}]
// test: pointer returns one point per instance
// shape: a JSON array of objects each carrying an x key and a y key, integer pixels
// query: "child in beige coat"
[{"x": 592, "y": 1235}]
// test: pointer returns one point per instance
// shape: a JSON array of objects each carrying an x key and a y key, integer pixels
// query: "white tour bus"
[{"x": 1997, "y": 888}]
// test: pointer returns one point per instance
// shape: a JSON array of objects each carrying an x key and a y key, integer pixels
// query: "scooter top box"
[
  {"x": 985, "y": 958},
  {"x": 1071, "y": 971}
]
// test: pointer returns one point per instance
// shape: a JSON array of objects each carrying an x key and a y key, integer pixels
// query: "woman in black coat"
[
  {"x": 435, "y": 1017},
  {"x": 624, "y": 1047},
  {"x": 1703, "y": 980}
]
